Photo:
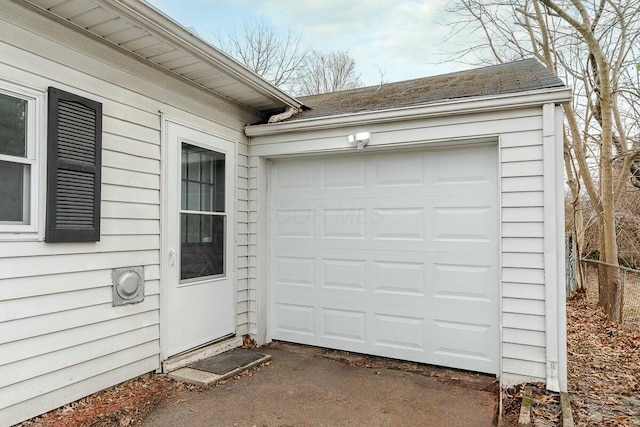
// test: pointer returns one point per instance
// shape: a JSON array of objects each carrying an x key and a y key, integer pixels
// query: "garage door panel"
[
  {"x": 296, "y": 222},
  {"x": 398, "y": 171},
  {"x": 463, "y": 281},
  {"x": 399, "y": 223},
  {"x": 343, "y": 325},
  {"x": 343, "y": 273},
  {"x": 294, "y": 319},
  {"x": 399, "y": 277},
  {"x": 463, "y": 224},
  {"x": 463, "y": 345},
  {"x": 292, "y": 176},
  {"x": 295, "y": 270},
  {"x": 343, "y": 223},
  {"x": 399, "y": 331},
  {"x": 393, "y": 254},
  {"x": 343, "y": 173}
]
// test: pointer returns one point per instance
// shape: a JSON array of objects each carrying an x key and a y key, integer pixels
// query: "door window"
[{"x": 203, "y": 220}]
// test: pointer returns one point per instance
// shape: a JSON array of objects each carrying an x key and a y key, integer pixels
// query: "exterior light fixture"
[{"x": 360, "y": 139}]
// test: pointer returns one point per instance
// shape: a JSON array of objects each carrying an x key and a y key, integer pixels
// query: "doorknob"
[{"x": 172, "y": 257}]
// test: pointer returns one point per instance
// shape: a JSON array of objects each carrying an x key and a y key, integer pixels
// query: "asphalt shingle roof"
[{"x": 519, "y": 76}]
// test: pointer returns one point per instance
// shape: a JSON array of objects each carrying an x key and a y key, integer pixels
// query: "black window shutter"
[{"x": 74, "y": 160}]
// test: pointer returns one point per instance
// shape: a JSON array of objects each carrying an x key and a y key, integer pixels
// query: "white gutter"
[
  {"x": 157, "y": 22},
  {"x": 448, "y": 107}
]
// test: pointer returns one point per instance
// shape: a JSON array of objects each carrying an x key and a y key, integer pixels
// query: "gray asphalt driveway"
[{"x": 308, "y": 386}]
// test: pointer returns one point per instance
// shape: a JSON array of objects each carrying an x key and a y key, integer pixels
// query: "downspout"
[
  {"x": 561, "y": 290},
  {"x": 289, "y": 112},
  {"x": 553, "y": 251}
]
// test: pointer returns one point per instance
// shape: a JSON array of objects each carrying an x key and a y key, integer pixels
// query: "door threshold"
[{"x": 185, "y": 359}]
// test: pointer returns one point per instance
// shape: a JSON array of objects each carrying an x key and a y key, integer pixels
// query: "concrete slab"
[
  {"x": 233, "y": 363},
  {"x": 194, "y": 376},
  {"x": 308, "y": 386}
]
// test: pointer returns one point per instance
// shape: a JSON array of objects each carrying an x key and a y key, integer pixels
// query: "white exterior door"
[
  {"x": 199, "y": 293},
  {"x": 390, "y": 253}
]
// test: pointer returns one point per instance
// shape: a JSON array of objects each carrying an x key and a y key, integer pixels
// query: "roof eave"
[
  {"x": 153, "y": 20},
  {"x": 447, "y": 107}
]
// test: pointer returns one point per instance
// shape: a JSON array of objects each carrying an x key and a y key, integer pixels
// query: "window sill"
[{"x": 8, "y": 236}]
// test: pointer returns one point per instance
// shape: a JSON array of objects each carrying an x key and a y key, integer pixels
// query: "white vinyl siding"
[
  {"x": 252, "y": 247},
  {"x": 242, "y": 221},
  {"x": 522, "y": 285},
  {"x": 60, "y": 337},
  {"x": 523, "y": 291}
]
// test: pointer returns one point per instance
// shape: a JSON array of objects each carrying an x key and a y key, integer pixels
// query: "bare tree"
[
  {"x": 327, "y": 72},
  {"x": 275, "y": 55},
  {"x": 592, "y": 45}
]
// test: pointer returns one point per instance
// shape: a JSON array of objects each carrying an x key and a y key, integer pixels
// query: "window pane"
[
  {"x": 14, "y": 181},
  {"x": 193, "y": 196},
  {"x": 203, "y": 181},
  {"x": 193, "y": 166},
  {"x": 219, "y": 183},
  {"x": 202, "y": 246},
  {"x": 183, "y": 195},
  {"x": 13, "y": 129},
  {"x": 207, "y": 168},
  {"x": 193, "y": 228},
  {"x": 207, "y": 198}
]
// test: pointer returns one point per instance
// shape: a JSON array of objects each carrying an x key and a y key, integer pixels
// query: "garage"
[
  {"x": 389, "y": 253},
  {"x": 418, "y": 220}
]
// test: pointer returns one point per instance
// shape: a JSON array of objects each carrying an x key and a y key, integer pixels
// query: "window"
[
  {"x": 74, "y": 144},
  {"x": 202, "y": 213},
  {"x": 19, "y": 163}
]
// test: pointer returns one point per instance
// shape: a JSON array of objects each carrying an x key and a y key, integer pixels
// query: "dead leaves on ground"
[
  {"x": 121, "y": 406},
  {"x": 545, "y": 411},
  {"x": 603, "y": 367},
  {"x": 603, "y": 371}
]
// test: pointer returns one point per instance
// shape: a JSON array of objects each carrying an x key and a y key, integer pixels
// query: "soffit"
[{"x": 140, "y": 29}]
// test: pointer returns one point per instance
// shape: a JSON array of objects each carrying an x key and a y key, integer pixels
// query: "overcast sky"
[{"x": 406, "y": 39}]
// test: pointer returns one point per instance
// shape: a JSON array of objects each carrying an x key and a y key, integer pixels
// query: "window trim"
[{"x": 36, "y": 131}]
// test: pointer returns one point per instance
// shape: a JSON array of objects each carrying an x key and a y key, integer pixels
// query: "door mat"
[{"x": 228, "y": 361}]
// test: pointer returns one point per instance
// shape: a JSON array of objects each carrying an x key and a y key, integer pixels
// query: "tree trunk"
[
  {"x": 578, "y": 224},
  {"x": 610, "y": 291},
  {"x": 609, "y": 284}
]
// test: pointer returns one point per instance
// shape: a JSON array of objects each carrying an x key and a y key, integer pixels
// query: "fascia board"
[{"x": 449, "y": 107}]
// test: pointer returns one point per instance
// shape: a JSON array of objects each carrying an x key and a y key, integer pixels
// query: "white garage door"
[{"x": 392, "y": 254}]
